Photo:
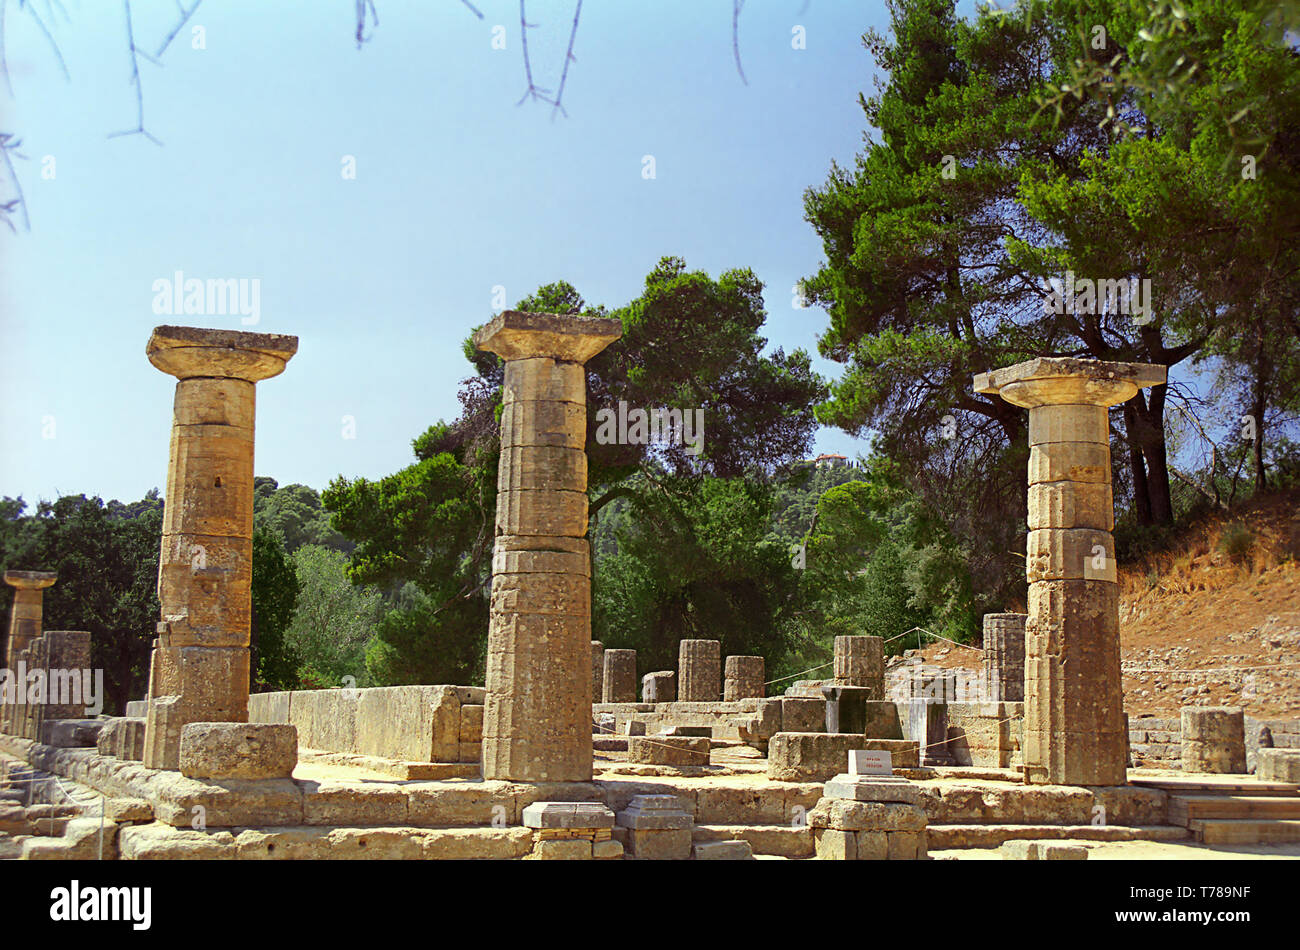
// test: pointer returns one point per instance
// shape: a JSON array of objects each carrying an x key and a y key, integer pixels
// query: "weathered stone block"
[
  {"x": 668, "y": 750},
  {"x": 803, "y": 715},
  {"x": 803, "y": 757},
  {"x": 223, "y": 750}
]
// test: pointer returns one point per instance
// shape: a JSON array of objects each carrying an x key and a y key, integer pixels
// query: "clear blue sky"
[{"x": 457, "y": 190}]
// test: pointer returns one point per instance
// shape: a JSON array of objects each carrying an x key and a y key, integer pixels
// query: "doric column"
[
  {"x": 537, "y": 721},
  {"x": 1074, "y": 717},
  {"x": 25, "y": 614},
  {"x": 199, "y": 670},
  {"x": 24, "y": 628},
  {"x": 743, "y": 679},
  {"x": 699, "y": 671},
  {"x": 1004, "y": 657}
]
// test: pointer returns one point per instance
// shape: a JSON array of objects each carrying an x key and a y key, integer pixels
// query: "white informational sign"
[{"x": 869, "y": 762}]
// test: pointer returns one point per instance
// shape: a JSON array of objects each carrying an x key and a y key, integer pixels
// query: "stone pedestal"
[
  {"x": 597, "y": 670},
  {"x": 869, "y": 817},
  {"x": 699, "y": 671},
  {"x": 744, "y": 678},
  {"x": 660, "y": 687},
  {"x": 620, "y": 676},
  {"x": 1074, "y": 726},
  {"x": 568, "y": 831},
  {"x": 1004, "y": 657},
  {"x": 200, "y": 664},
  {"x": 860, "y": 661},
  {"x": 537, "y": 721},
  {"x": 658, "y": 828}
]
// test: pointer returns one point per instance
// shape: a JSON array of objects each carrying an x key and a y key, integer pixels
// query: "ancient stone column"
[
  {"x": 199, "y": 670},
  {"x": 1004, "y": 657},
  {"x": 860, "y": 661},
  {"x": 699, "y": 671},
  {"x": 537, "y": 721},
  {"x": 620, "y": 676},
  {"x": 597, "y": 670},
  {"x": 25, "y": 614},
  {"x": 1074, "y": 724},
  {"x": 24, "y": 627},
  {"x": 69, "y": 676},
  {"x": 744, "y": 678}
]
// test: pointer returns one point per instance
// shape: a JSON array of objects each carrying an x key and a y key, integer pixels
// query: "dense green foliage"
[
  {"x": 333, "y": 622},
  {"x": 275, "y": 592},
  {"x": 970, "y": 197}
]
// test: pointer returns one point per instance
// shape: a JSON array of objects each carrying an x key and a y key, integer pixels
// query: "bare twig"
[
  {"x": 736, "y": 7},
  {"x": 362, "y": 7},
  {"x": 58, "y": 55},
  {"x": 533, "y": 91},
  {"x": 135, "y": 80},
  {"x": 568, "y": 58},
  {"x": 185, "y": 16},
  {"x": 8, "y": 144}
]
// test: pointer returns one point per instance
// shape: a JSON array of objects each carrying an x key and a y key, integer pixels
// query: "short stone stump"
[
  {"x": 1278, "y": 765},
  {"x": 1214, "y": 739},
  {"x": 240, "y": 750},
  {"x": 668, "y": 750},
  {"x": 819, "y": 756}
]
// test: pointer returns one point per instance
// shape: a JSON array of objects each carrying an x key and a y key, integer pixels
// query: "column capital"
[
  {"x": 190, "y": 352},
  {"x": 519, "y": 335},
  {"x": 1049, "y": 381},
  {"x": 30, "y": 580}
]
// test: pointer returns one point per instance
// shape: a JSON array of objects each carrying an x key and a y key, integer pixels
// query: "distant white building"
[{"x": 830, "y": 460}]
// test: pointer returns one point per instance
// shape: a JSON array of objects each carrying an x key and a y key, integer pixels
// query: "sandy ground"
[{"x": 1147, "y": 851}]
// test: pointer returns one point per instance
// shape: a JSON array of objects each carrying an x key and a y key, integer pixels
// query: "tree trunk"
[
  {"x": 1148, "y": 433},
  {"x": 1141, "y": 495},
  {"x": 1257, "y": 448}
]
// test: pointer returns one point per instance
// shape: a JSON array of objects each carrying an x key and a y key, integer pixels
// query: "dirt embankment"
[{"x": 1214, "y": 619}]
